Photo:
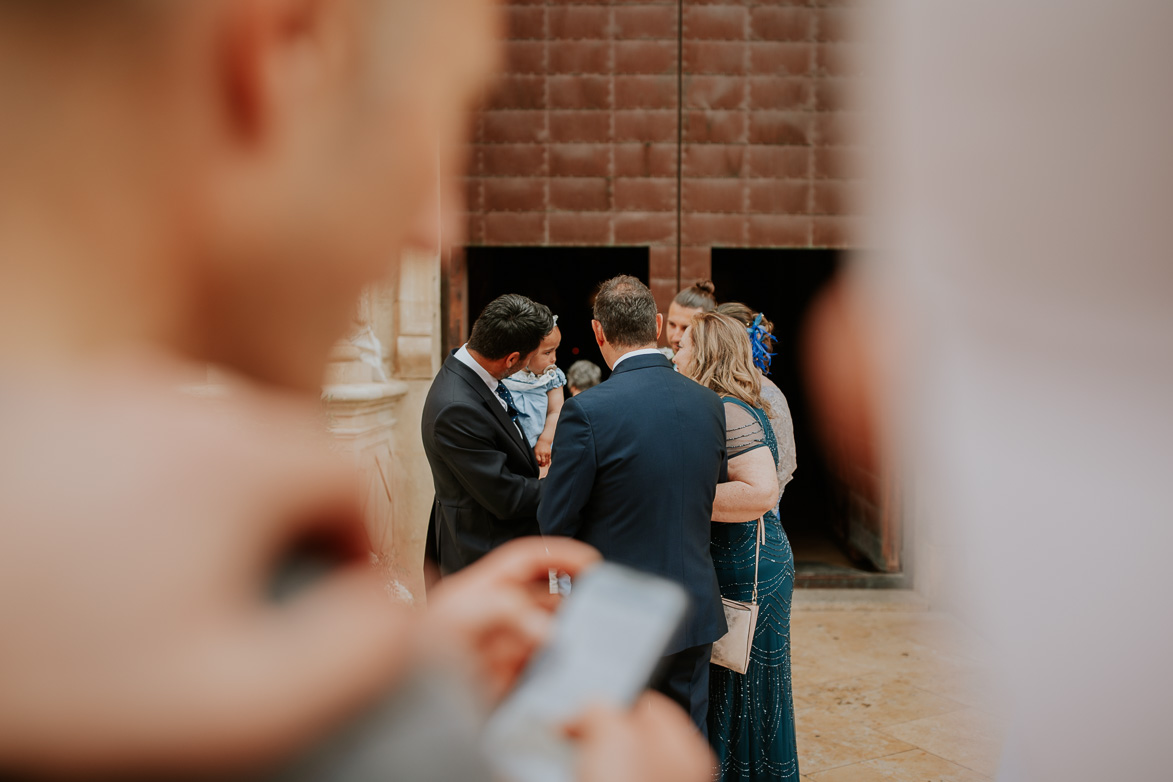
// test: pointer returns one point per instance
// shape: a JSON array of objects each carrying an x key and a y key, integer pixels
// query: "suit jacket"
[
  {"x": 485, "y": 474},
  {"x": 635, "y": 467}
]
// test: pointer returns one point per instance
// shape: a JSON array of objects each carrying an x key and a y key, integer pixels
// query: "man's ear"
[
  {"x": 600, "y": 337},
  {"x": 512, "y": 360},
  {"x": 659, "y": 324},
  {"x": 276, "y": 53}
]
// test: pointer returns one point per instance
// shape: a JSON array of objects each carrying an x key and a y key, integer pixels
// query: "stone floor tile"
[
  {"x": 812, "y": 667},
  {"x": 945, "y": 635},
  {"x": 878, "y": 700},
  {"x": 828, "y": 741},
  {"x": 968, "y": 684},
  {"x": 969, "y": 738},
  {"x": 916, "y": 765},
  {"x": 863, "y": 644},
  {"x": 868, "y": 600}
]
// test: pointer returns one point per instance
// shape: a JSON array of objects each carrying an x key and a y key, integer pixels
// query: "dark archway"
[
  {"x": 816, "y": 507},
  {"x": 563, "y": 278}
]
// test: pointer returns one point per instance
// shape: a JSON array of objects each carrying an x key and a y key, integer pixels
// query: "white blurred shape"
[{"x": 1024, "y": 192}]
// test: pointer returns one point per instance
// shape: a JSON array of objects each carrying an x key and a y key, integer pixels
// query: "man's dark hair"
[
  {"x": 510, "y": 324},
  {"x": 627, "y": 312}
]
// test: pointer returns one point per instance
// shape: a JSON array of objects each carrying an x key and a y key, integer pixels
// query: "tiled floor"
[{"x": 886, "y": 690}]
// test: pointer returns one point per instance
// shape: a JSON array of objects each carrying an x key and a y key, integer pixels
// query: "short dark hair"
[
  {"x": 584, "y": 374},
  {"x": 627, "y": 312},
  {"x": 510, "y": 324}
]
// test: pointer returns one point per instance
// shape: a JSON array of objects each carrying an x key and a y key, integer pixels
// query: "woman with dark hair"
[
  {"x": 761, "y": 338},
  {"x": 697, "y": 298},
  {"x": 751, "y": 715}
]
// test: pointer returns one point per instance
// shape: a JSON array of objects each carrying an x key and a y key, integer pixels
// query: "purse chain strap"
[{"x": 759, "y": 539}]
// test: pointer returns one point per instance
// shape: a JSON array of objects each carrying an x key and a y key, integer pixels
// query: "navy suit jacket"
[
  {"x": 635, "y": 467},
  {"x": 485, "y": 473}
]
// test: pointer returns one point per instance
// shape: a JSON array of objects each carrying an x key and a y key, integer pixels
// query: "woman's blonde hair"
[{"x": 722, "y": 359}]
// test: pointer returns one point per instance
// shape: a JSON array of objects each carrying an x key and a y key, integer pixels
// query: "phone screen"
[{"x": 608, "y": 639}]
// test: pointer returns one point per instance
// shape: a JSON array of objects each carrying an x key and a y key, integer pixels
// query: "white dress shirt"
[
  {"x": 640, "y": 352},
  {"x": 464, "y": 357}
]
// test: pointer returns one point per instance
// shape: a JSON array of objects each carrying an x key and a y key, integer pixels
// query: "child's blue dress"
[{"x": 529, "y": 397}]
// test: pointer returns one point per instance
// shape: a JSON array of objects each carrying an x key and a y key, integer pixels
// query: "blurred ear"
[
  {"x": 659, "y": 324},
  {"x": 278, "y": 56}
]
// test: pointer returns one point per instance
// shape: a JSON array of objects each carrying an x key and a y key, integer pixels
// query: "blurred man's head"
[{"x": 226, "y": 175}]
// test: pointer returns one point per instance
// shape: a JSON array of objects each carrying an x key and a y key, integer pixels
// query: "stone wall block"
[
  {"x": 716, "y": 127},
  {"x": 580, "y": 160},
  {"x": 515, "y": 228},
  {"x": 645, "y": 195},
  {"x": 645, "y": 125},
  {"x": 713, "y": 195},
  {"x": 636, "y": 21},
  {"x": 589, "y": 57},
  {"x": 580, "y": 194},
  {"x": 646, "y": 57},
  {"x": 580, "y": 126},
  {"x": 525, "y": 22},
  {"x": 645, "y": 160},
  {"x": 514, "y": 127},
  {"x": 580, "y": 228},
  {"x": 715, "y": 22},
  {"x": 580, "y": 92},
  {"x": 774, "y": 230},
  {"x": 714, "y": 160},
  {"x": 515, "y": 194},
  {"x": 645, "y": 228},
  {"x": 779, "y": 196}
]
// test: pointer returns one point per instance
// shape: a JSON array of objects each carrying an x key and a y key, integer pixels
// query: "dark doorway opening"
[
  {"x": 563, "y": 278},
  {"x": 816, "y": 508}
]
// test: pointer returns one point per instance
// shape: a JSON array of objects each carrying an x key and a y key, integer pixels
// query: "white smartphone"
[{"x": 609, "y": 636}]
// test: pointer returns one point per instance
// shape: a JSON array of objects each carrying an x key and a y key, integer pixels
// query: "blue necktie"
[{"x": 503, "y": 392}]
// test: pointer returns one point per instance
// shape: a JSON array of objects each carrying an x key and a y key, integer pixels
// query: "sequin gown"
[{"x": 751, "y": 715}]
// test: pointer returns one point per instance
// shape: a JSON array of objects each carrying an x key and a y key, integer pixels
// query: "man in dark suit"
[
  {"x": 485, "y": 473},
  {"x": 635, "y": 467}
]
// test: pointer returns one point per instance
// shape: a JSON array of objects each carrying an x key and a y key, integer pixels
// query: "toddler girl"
[{"x": 537, "y": 395}]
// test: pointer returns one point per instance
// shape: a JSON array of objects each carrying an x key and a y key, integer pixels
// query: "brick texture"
[{"x": 627, "y": 123}]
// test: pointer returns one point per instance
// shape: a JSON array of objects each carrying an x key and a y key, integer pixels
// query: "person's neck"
[
  {"x": 495, "y": 368},
  {"x": 612, "y": 353}
]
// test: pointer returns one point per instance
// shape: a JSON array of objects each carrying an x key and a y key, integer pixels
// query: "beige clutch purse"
[{"x": 733, "y": 649}]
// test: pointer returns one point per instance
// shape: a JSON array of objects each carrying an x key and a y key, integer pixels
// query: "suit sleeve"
[
  {"x": 479, "y": 466},
  {"x": 568, "y": 485}
]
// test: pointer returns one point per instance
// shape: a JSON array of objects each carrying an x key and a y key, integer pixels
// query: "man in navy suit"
[
  {"x": 485, "y": 473},
  {"x": 634, "y": 470}
]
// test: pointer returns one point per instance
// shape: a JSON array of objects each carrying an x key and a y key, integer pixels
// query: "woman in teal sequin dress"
[{"x": 751, "y": 715}]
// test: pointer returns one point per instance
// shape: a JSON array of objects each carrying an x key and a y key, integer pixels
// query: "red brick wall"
[{"x": 585, "y": 142}]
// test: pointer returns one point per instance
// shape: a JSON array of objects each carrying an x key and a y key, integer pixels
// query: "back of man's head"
[
  {"x": 510, "y": 324},
  {"x": 626, "y": 310}
]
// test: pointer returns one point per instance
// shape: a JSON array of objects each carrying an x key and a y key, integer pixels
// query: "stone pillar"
[{"x": 373, "y": 397}]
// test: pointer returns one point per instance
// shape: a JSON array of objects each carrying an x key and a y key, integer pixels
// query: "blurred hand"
[
  {"x": 654, "y": 742},
  {"x": 542, "y": 452},
  {"x": 141, "y": 528},
  {"x": 499, "y": 611}
]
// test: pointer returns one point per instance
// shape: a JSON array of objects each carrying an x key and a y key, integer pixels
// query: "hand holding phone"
[{"x": 608, "y": 638}]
